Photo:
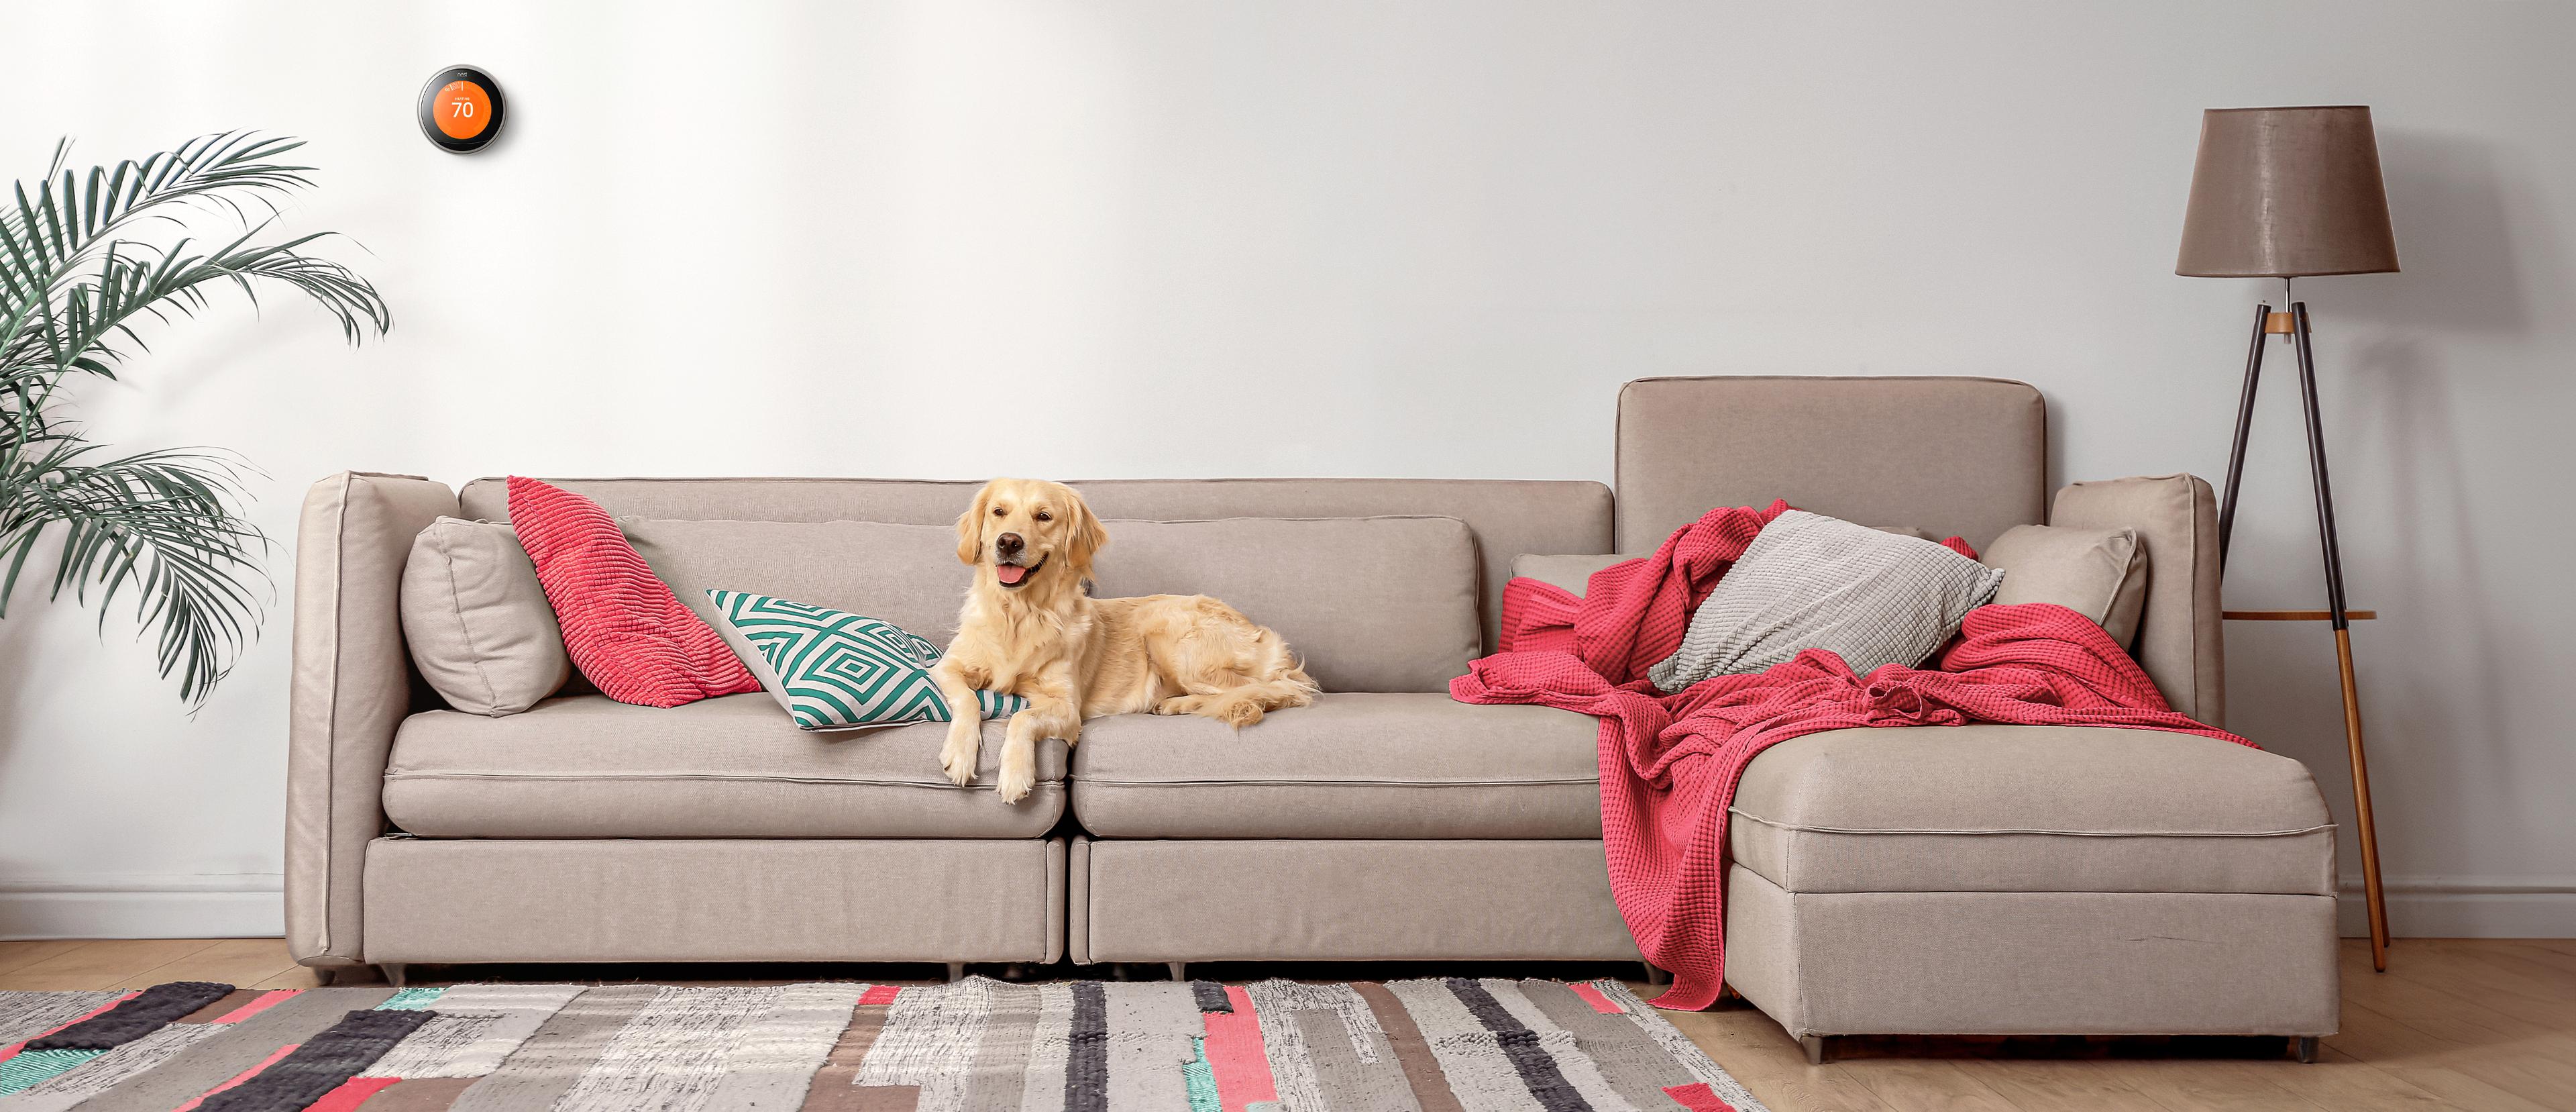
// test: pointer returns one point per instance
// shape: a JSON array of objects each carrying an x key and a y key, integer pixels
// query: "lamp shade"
[{"x": 2284, "y": 193}]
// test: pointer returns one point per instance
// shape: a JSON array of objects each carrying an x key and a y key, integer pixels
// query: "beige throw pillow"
[
  {"x": 1574, "y": 573},
  {"x": 477, "y": 620},
  {"x": 2099, "y": 573},
  {"x": 1814, "y": 582}
]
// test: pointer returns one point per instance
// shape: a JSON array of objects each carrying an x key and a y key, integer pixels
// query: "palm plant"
[{"x": 74, "y": 287}]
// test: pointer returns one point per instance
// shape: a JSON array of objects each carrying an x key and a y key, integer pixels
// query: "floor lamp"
[{"x": 2289, "y": 193}]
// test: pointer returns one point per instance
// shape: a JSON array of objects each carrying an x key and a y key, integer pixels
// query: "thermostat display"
[{"x": 461, "y": 109}]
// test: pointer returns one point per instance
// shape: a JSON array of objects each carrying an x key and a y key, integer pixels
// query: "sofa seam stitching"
[
  {"x": 1335, "y": 783},
  {"x": 562, "y": 776},
  {"x": 465, "y": 629},
  {"x": 2197, "y": 665},
  {"x": 1812, "y": 829},
  {"x": 331, "y": 719}
]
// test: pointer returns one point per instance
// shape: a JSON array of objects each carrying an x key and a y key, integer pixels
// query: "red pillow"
[{"x": 622, "y": 625}]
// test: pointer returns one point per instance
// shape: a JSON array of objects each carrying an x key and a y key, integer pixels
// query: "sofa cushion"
[
  {"x": 1572, "y": 574},
  {"x": 477, "y": 621},
  {"x": 2099, "y": 573},
  {"x": 1953, "y": 455},
  {"x": 2179, "y": 642},
  {"x": 1353, "y": 765},
  {"x": 1988, "y": 808},
  {"x": 904, "y": 574},
  {"x": 1370, "y": 603},
  {"x": 730, "y": 767},
  {"x": 1509, "y": 516}
]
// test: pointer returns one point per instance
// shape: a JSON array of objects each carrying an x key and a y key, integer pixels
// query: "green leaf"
[{"x": 159, "y": 527}]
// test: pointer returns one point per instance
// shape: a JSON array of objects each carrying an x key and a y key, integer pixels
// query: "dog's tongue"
[{"x": 1010, "y": 573}]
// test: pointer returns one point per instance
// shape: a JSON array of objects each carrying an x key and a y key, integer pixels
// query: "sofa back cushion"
[
  {"x": 1953, "y": 456},
  {"x": 904, "y": 574},
  {"x": 1508, "y": 516},
  {"x": 1371, "y": 604},
  {"x": 2179, "y": 641}
]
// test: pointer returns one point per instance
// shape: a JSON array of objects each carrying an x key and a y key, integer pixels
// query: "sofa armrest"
[
  {"x": 2180, "y": 643},
  {"x": 351, "y": 688}
]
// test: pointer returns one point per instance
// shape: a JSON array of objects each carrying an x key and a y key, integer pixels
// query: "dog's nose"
[{"x": 1008, "y": 544}]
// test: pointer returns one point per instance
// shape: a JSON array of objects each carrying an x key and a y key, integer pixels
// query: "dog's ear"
[
  {"x": 1089, "y": 536},
  {"x": 970, "y": 527}
]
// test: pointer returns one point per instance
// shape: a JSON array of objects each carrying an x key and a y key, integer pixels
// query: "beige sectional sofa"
[{"x": 1980, "y": 880}]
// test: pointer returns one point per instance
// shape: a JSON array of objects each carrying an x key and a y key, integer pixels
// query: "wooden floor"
[{"x": 2488, "y": 1025}]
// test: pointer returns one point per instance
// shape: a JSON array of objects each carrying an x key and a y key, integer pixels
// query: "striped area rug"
[{"x": 973, "y": 1046}]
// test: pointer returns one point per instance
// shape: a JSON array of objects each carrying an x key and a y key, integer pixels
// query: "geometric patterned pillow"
[{"x": 834, "y": 670}]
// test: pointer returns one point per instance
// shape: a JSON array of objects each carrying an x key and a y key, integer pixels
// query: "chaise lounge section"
[{"x": 1993, "y": 879}]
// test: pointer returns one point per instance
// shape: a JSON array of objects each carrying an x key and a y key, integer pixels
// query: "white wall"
[{"x": 1407, "y": 239}]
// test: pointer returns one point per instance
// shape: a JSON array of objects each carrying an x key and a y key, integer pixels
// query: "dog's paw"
[
  {"x": 1179, "y": 704},
  {"x": 1239, "y": 713},
  {"x": 1016, "y": 780},
  {"x": 957, "y": 758}
]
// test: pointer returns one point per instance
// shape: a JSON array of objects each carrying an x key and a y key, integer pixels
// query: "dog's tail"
[{"x": 1242, "y": 706}]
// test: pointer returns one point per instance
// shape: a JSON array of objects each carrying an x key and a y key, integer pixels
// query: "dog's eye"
[
  {"x": 1000, "y": 511},
  {"x": 1045, "y": 516}
]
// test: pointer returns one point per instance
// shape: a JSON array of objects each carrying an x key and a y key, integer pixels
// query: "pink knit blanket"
[{"x": 1670, "y": 763}]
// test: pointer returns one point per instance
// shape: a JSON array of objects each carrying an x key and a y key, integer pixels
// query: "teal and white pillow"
[{"x": 834, "y": 670}]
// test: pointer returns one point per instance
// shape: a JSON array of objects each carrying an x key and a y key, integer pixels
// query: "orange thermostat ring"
[{"x": 461, "y": 109}]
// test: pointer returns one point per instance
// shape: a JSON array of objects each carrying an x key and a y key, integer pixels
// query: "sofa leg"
[
  {"x": 1180, "y": 970},
  {"x": 956, "y": 971},
  {"x": 395, "y": 973},
  {"x": 2304, "y": 1047},
  {"x": 1656, "y": 976},
  {"x": 325, "y": 974},
  {"x": 1815, "y": 1047}
]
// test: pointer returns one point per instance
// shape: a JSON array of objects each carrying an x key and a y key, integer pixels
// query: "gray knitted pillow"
[{"x": 1813, "y": 582}]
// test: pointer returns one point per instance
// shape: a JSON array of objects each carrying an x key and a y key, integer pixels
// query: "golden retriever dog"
[{"x": 1030, "y": 629}]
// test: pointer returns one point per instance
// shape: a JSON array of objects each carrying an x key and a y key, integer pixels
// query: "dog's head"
[{"x": 1024, "y": 532}]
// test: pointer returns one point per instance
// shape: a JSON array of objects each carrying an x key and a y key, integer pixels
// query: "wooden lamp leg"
[
  {"x": 2343, "y": 643},
  {"x": 2361, "y": 805}
]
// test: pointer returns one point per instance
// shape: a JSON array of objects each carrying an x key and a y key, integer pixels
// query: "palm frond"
[
  {"x": 160, "y": 523},
  {"x": 77, "y": 293}
]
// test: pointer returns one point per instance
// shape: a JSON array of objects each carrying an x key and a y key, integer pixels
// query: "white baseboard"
[
  {"x": 247, "y": 905},
  {"x": 2466, "y": 907}
]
